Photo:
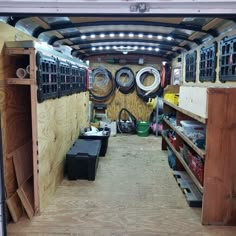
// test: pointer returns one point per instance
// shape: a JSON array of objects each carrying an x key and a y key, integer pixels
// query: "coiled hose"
[
  {"x": 151, "y": 91},
  {"x": 103, "y": 85},
  {"x": 125, "y": 80}
]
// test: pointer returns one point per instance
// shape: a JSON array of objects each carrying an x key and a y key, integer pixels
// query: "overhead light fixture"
[
  {"x": 131, "y": 35},
  {"x": 136, "y": 47},
  {"x": 140, "y": 35},
  {"x": 114, "y": 47},
  {"x": 159, "y": 37},
  {"x": 121, "y": 35},
  {"x": 112, "y": 35},
  {"x": 149, "y": 48},
  {"x": 125, "y": 49},
  {"x": 93, "y": 49},
  {"x": 92, "y": 36},
  {"x": 102, "y": 35},
  {"x": 108, "y": 47},
  {"x": 83, "y": 37},
  {"x": 157, "y": 49},
  {"x": 142, "y": 48},
  {"x": 169, "y": 38},
  {"x": 100, "y": 48},
  {"x": 150, "y": 36}
]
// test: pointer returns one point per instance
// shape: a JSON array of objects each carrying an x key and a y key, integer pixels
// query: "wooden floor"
[{"x": 134, "y": 194}]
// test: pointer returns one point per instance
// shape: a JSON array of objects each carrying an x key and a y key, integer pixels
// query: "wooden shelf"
[
  {"x": 194, "y": 116},
  {"x": 177, "y": 154},
  {"x": 25, "y": 81},
  {"x": 199, "y": 151}
]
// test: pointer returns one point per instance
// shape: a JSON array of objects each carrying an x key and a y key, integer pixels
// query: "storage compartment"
[
  {"x": 190, "y": 127},
  {"x": 104, "y": 139},
  {"x": 82, "y": 159}
]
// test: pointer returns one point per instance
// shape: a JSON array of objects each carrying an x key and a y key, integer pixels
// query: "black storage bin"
[
  {"x": 82, "y": 159},
  {"x": 104, "y": 139}
]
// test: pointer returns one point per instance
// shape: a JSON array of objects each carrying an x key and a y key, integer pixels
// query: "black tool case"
[
  {"x": 104, "y": 139},
  {"x": 82, "y": 159}
]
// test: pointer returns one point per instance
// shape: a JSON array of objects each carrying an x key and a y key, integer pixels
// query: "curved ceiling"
[{"x": 88, "y": 36}]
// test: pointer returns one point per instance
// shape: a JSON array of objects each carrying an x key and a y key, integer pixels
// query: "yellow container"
[{"x": 172, "y": 97}]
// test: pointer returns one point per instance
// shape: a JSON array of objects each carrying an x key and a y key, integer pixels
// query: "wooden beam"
[
  {"x": 41, "y": 22},
  {"x": 212, "y": 23}
]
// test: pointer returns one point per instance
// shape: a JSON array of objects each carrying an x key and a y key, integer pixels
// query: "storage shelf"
[
  {"x": 177, "y": 154},
  {"x": 25, "y": 81},
  {"x": 194, "y": 116},
  {"x": 199, "y": 151}
]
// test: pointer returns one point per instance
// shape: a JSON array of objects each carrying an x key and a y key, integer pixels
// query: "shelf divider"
[
  {"x": 25, "y": 81},
  {"x": 177, "y": 154}
]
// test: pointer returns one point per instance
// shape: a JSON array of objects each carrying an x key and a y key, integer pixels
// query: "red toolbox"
[{"x": 196, "y": 165}]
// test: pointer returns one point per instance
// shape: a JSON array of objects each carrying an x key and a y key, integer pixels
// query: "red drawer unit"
[{"x": 196, "y": 165}]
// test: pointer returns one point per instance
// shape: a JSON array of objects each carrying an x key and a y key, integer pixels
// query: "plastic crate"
[
  {"x": 104, "y": 139},
  {"x": 190, "y": 68},
  {"x": 208, "y": 63},
  {"x": 190, "y": 126},
  {"x": 82, "y": 159}
]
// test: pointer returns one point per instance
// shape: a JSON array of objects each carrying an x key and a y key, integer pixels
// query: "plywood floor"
[{"x": 134, "y": 194}]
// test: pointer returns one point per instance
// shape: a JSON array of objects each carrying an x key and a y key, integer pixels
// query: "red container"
[
  {"x": 173, "y": 140},
  {"x": 196, "y": 165}
]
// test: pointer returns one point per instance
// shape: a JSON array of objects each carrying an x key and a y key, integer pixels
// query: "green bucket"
[{"x": 143, "y": 128}]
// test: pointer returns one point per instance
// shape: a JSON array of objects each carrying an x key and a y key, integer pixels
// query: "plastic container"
[
  {"x": 143, "y": 128},
  {"x": 104, "y": 139},
  {"x": 82, "y": 159},
  {"x": 190, "y": 126}
]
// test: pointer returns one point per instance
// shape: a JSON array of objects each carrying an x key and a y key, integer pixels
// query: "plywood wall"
[
  {"x": 59, "y": 123},
  {"x": 130, "y": 101}
]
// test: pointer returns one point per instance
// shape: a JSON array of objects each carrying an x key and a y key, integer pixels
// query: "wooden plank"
[
  {"x": 33, "y": 93},
  {"x": 194, "y": 116},
  {"x": 41, "y": 22},
  {"x": 20, "y": 81},
  {"x": 23, "y": 163},
  {"x": 199, "y": 151},
  {"x": 177, "y": 154},
  {"x": 212, "y": 24},
  {"x": 25, "y": 193},
  {"x": 56, "y": 133},
  {"x": 219, "y": 199},
  {"x": 15, "y": 207}
]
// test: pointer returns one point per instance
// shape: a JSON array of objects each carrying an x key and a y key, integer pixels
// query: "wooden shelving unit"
[
  {"x": 180, "y": 158},
  {"x": 26, "y": 81},
  {"x": 219, "y": 182}
]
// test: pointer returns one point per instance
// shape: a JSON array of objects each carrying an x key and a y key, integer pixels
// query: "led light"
[
  {"x": 128, "y": 47},
  {"x": 150, "y": 36},
  {"x": 150, "y": 49},
  {"x": 142, "y": 48},
  {"x": 121, "y": 35},
  {"x": 112, "y": 35},
  {"x": 121, "y": 47},
  {"x": 159, "y": 37},
  {"x": 140, "y": 35},
  {"x": 92, "y": 36},
  {"x": 169, "y": 38},
  {"x": 100, "y": 48},
  {"x": 157, "y": 49},
  {"x": 114, "y": 47},
  {"x": 131, "y": 35},
  {"x": 108, "y": 47},
  {"x": 93, "y": 49},
  {"x": 83, "y": 37},
  {"x": 135, "y": 47},
  {"x": 102, "y": 35}
]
